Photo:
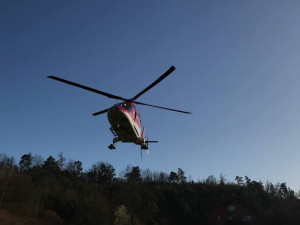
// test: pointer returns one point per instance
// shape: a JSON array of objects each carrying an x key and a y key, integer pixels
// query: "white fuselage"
[{"x": 125, "y": 124}]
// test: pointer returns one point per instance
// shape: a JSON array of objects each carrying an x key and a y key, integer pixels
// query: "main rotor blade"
[
  {"x": 86, "y": 88},
  {"x": 168, "y": 72},
  {"x": 175, "y": 110},
  {"x": 100, "y": 112}
]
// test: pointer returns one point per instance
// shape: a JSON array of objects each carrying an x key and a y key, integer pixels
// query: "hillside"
[{"x": 53, "y": 192}]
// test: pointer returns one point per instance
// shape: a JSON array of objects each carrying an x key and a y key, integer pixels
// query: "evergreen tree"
[
  {"x": 74, "y": 168},
  {"x": 239, "y": 180},
  {"x": 173, "y": 177},
  {"x": 50, "y": 166},
  {"x": 25, "y": 162},
  {"x": 134, "y": 176}
]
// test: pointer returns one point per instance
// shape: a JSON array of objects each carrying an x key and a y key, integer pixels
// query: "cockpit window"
[
  {"x": 127, "y": 106},
  {"x": 138, "y": 117},
  {"x": 130, "y": 109}
]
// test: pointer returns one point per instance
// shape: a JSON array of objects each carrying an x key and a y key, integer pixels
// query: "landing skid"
[{"x": 111, "y": 147}]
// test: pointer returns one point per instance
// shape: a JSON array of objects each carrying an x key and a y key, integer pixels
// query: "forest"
[{"x": 54, "y": 191}]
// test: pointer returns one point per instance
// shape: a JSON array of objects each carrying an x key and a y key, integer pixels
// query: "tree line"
[{"x": 54, "y": 191}]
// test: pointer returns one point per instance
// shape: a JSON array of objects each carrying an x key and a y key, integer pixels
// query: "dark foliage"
[{"x": 55, "y": 192}]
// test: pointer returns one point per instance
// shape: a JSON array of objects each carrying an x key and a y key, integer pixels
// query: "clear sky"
[{"x": 237, "y": 71}]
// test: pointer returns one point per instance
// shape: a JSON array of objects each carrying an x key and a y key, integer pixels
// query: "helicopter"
[{"x": 123, "y": 117}]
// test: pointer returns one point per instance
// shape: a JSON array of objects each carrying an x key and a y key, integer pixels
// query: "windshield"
[{"x": 128, "y": 107}]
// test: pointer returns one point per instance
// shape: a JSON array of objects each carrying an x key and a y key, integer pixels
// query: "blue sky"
[{"x": 237, "y": 71}]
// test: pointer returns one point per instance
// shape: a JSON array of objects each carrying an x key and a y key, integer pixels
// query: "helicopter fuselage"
[{"x": 125, "y": 123}]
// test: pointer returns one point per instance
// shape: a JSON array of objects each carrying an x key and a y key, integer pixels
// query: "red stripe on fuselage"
[{"x": 132, "y": 116}]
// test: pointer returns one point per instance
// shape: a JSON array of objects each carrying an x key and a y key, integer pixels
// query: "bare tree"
[{"x": 61, "y": 161}]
